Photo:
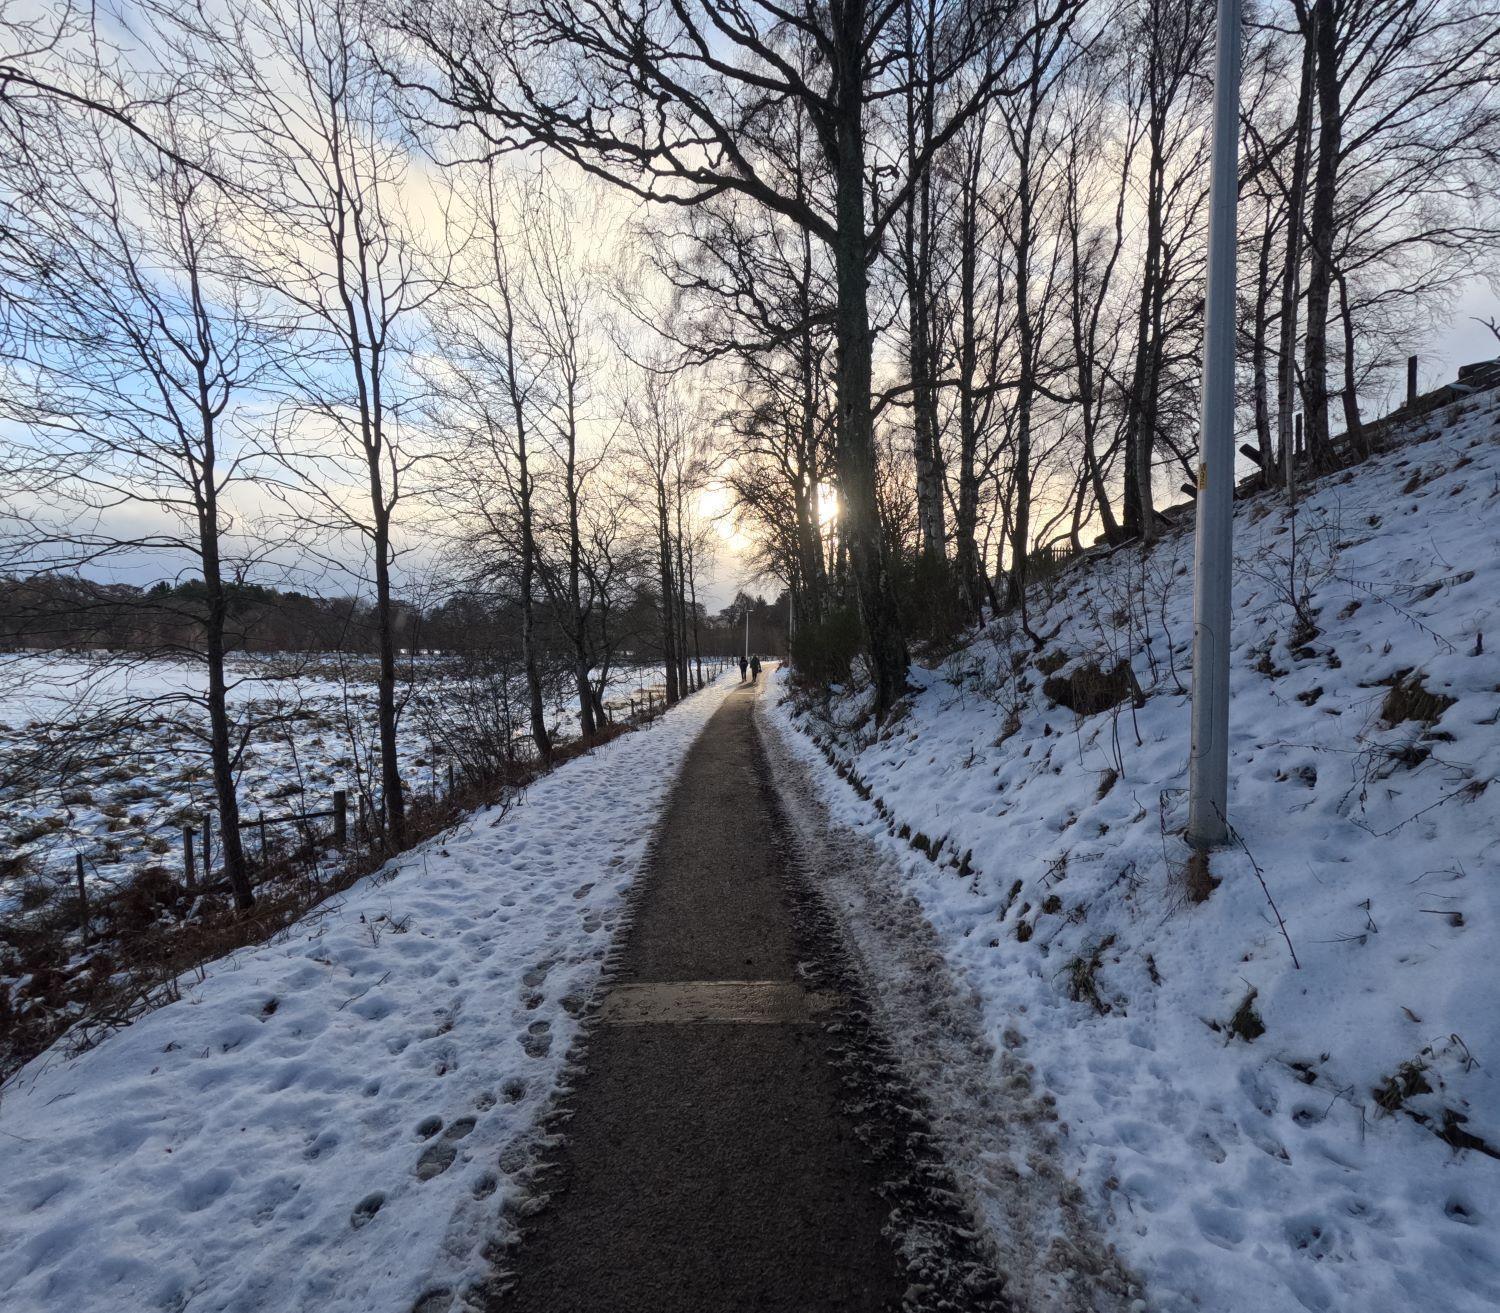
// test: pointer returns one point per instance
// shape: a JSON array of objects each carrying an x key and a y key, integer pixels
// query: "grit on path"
[{"x": 709, "y": 1163}]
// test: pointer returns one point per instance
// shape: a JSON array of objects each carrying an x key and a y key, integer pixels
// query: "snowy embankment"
[
  {"x": 1257, "y": 1133},
  {"x": 336, "y": 1121}
]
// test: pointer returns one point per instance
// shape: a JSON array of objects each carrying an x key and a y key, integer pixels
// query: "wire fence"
[{"x": 317, "y": 832}]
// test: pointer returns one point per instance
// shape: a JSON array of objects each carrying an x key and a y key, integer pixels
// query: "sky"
[{"x": 1455, "y": 341}]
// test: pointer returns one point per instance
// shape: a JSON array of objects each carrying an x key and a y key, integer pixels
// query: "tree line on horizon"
[{"x": 66, "y": 613}]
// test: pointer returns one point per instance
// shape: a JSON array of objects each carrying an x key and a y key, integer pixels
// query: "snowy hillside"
[
  {"x": 1260, "y": 1131},
  {"x": 338, "y": 1120}
]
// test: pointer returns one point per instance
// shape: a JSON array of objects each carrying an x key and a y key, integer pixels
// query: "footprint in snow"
[
  {"x": 537, "y": 1041},
  {"x": 438, "y": 1157},
  {"x": 319, "y": 1145},
  {"x": 365, "y": 1209},
  {"x": 1209, "y": 1147}
]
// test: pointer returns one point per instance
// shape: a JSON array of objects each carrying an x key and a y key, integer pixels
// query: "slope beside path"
[
  {"x": 336, "y": 1120},
  {"x": 1283, "y": 1098}
]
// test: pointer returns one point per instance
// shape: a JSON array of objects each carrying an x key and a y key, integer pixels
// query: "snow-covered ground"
[
  {"x": 107, "y": 755},
  {"x": 1256, "y": 1133},
  {"x": 336, "y": 1120}
]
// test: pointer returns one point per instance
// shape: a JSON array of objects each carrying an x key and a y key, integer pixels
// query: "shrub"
[
  {"x": 823, "y": 651},
  {"x": 1090, "y": 690},
  {"x": 929, "y": 600}
]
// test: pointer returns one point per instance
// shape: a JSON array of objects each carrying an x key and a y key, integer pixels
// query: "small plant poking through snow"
[
  {"x": 1083, "y": 976},
  {"x": 1246, "y": 1024}
]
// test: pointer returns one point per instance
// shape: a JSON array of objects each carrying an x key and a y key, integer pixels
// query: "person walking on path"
[
  {"x": 743, "y": 664},
  {"x": 754, "y": 669}
]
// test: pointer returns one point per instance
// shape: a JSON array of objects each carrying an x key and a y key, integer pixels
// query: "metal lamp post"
[{"x": 1208, "y": 772}]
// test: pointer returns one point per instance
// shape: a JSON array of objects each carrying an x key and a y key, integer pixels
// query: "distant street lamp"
[{"x": 1208, "y": 771}]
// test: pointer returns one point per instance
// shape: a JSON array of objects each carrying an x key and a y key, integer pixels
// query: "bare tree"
[
  {"x": 560, "y": 313},
  {"x": 669, "y": 105},
  {"x": 653, "y": 422},
  {"x": 1408, "y": 132},
  {"x": 335, "y": 244},
  {"x": 132, "y": 368},
  {"x": 487, "y": 388}
]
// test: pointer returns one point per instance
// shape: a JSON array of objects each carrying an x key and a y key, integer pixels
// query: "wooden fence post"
[
  {"x": 263, "y": 836},
  {"x": 187, "y": 855},
  {"x": 83, "y": 898},
  {"x": 450, "y": 777},
  {"x": 340, "y": 816},
  {"x": 1411, "y": 379}
]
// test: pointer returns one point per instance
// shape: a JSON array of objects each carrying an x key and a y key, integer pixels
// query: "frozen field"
[{"x": 107, "y": 755}]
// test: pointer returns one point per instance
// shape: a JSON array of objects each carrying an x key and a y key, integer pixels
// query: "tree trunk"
[
  {"x": 885, "y": 644},
  {"x": 917, "y": 261},
  {"x": 536, "y": 708},
  {"x": 535, "y": 705},
  {"x": 1291, "y": 272},
  {"x": 668, "y": 592},
  {"x": 587, "y": 721},
  {"x": 1026, "y": 375},
  {"x": 692, "y": 578},
  {"x": 390, "y": 766},
  {"x": 1354, "y": 428},
  {"x": 220, "y": 754},
  {"x": 684, "y": 676},
  {"x": 1320, "y": 233},
  {"x": 1258, "y": 351},
  {"x": 969, "y": 560}
]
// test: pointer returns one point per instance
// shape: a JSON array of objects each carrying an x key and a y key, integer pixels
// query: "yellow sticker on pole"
[{"x": 1202, "y": 475}]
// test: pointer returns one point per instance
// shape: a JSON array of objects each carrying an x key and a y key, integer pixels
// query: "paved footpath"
[{"x": 709, "y": 1164}]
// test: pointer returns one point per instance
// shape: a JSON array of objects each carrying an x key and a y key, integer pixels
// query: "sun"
[
  {"x": 716, "y": 505},
  {"x": 828, "y": 506}
]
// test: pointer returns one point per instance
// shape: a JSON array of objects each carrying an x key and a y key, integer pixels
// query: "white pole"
[{"x": 1208, "y": 774}]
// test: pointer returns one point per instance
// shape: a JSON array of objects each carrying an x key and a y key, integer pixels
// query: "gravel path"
[{"x": 726, "y": 1146}]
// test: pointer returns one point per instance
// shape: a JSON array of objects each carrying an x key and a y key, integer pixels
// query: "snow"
[
  {"x": 1238, "y": 1173},
  {"x": 337, "y": 1120}
]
